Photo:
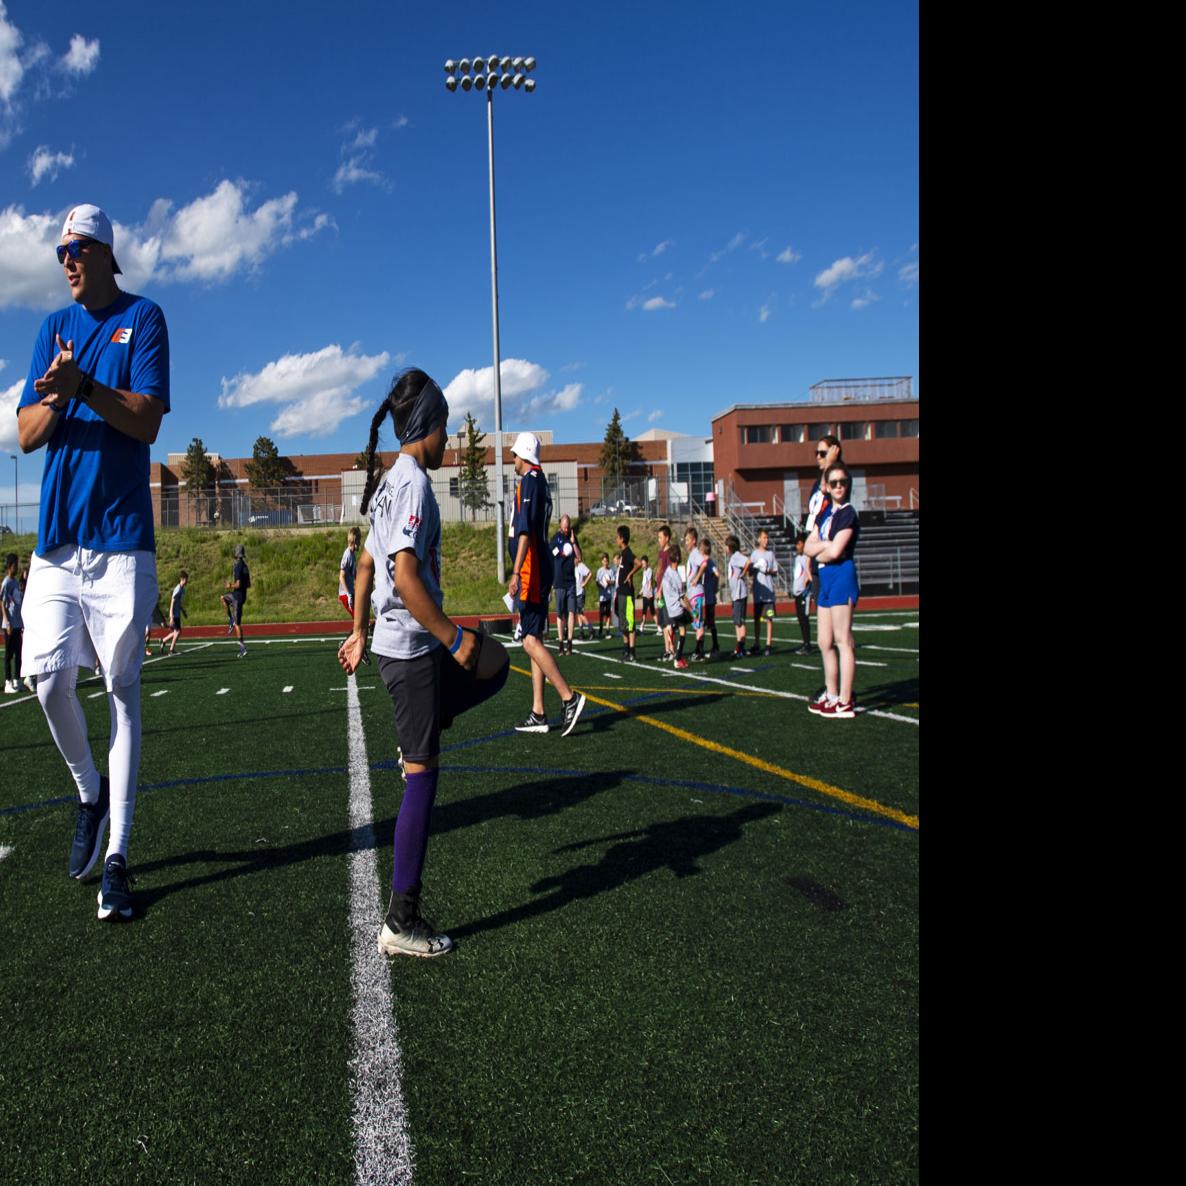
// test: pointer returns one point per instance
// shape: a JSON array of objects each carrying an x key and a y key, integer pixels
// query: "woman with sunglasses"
[{"x": 832, "y": 542}]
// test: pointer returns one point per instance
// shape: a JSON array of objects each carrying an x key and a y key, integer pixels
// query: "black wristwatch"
[{"x": 85, "y": 388}]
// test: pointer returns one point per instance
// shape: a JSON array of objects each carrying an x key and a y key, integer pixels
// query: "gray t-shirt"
[
  {"x": 738, "y": 589},
  {"x": 695, "y": 560},
  {"x": 763, "y": 565},
  {"x": 404, "y": 518},
  {"x": 346, "y": 574}
]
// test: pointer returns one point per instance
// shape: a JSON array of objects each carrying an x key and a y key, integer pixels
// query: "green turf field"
[{"x": 687, "y": 933}]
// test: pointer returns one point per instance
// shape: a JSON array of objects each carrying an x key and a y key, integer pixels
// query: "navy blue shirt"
[
  {"x": 835, "y": 519},
  {"x": 564, "y": 568}
]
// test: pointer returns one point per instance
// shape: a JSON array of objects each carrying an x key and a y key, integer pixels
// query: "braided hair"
[{"x": 405, "y": 389}]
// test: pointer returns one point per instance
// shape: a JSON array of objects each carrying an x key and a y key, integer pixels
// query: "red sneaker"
[{"x": 820, "y": 705}]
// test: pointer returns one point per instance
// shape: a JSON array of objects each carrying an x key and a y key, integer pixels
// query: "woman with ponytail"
[{"x": 433, "y": 669}]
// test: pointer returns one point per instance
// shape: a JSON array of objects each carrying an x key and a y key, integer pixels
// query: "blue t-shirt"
[
  {"x": 94, "y": 488},
  {"x": 712, "y": 579}
]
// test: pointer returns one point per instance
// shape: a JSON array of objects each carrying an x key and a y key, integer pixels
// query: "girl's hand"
[
  {"x": 467, "y": 654},
  {"x": 350, "y": 653}
]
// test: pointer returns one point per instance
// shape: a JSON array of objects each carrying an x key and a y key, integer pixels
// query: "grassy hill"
[{"x": 294, "y": 571}]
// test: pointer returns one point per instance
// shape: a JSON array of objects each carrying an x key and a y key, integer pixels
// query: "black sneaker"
[
  {"x": 406, "y": 931},
  {"x": 697, "y": 656},
  {"x": 755, "y": 650},
  {"x": 767, "y": 651},
  {"x": 534, "y": 723},
  {"x": 115, "y": 896},
  {"x": 88, "y": 831},
  {"x": 572, "y": 712}
]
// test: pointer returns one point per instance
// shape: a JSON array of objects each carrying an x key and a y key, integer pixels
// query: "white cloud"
[
  {"x": 12, "y": 69},
  {"x": 357, "y": 159},
  {"x": 657, "y": 414},
  {"x": 760, "y": 248},
  {"x": 523, "y": 393},
  {"x": 865, "y": 299},
  {"x": 8, "y": 423},
  {"x": 364, "y": 138},
  {"x": 846, "y": 269},
  {"x": 632, "y": 415},
  {"x": 732, "y": 245},
  {"x": 317, "y": 389},
  {"x": 708, "y": 294},
  {"x": 555, "y": 401},
  {"x": 658, "y": 249},
  {"x": 657, "y": 302},
  {"x": 26, "y": 70},
  {"x": 43, "y": 162},
  {"x": 764, "y": 314},
  {"x": 83, "y": 55},
  {"x": 400, "y": 121},
  {"x": 908, "y": 273},
  {"x": 215, "y": 236},
  {"x": 788, "y": 255}
]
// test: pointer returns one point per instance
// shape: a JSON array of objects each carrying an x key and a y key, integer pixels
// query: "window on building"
[
  {"x": 454, "y": 487},
  {"x": 908, "y": 428},
  {"x": 817, "y": 432},
  {"x": 790, "y": 434},
  {"x": 885, "y": 430},
  {"x": 854, "y": 430},
  {"x": 757, "y": 434},
  {"x": 698, "y": 475}
]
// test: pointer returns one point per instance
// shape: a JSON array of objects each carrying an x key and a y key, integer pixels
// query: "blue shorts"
[
  {"x": 838, "y": 585},
  {"x": 565, "y": 601},
  {"x": 533, "y": 618}
]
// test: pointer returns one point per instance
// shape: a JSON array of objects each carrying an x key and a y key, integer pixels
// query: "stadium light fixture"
[{"x": 490, "y": 74}]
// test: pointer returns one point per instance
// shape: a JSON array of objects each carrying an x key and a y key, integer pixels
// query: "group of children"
[{"x": 682, "y": 593}]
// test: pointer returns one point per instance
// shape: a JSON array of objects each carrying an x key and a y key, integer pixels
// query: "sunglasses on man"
[{"x": 74, "y": 248}]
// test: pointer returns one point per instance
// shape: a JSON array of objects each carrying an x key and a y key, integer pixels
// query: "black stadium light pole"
[{"x": 491, "y": 73}]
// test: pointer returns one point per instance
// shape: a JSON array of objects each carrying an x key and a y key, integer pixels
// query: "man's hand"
[
  {"x": 513, "y": 585},
  {"x": 60, "y": 383}
]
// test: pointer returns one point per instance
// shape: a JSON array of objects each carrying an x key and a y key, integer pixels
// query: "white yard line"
[
  {"x": 286, "y": 689},
  {"x": 162, "y": 692},
  {"x": 382, "y": 1145},
  {"x": 897, "y": 650},
  {"x": 730, "y": 683},
  {"x": 222, "y": 691}
]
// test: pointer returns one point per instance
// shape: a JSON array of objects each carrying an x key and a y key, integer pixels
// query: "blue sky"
[{"x": 700, "y": 205}]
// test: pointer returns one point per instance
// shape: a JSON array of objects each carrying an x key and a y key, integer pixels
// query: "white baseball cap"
[
  {"x": 527, "y": 446},
  {"x": 94, "y": 224}
]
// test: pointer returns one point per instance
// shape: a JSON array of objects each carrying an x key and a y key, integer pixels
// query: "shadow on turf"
[
  {"x": 649, "y": 706},
  {"x": 531, "y": 800},
  {"x": 677, "y": 845},
  {"x": 889, "y": 696}
]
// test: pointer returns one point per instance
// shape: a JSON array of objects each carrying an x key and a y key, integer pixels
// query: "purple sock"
[{"x": 411, "y": 831}]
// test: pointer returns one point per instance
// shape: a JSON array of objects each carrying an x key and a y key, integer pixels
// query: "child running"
[
  {"x": 177, "y": 611},
  {"x": 428, "y": 663}
]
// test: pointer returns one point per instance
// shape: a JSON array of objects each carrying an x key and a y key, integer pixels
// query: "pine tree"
[
  {"x": 615, "y": 451},
  {"x": 473, "y": 487},
  {"x": 267, "y": 469},
  {"x": 198, "y": 472}
]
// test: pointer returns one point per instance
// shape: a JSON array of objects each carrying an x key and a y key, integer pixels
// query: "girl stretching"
[{"x": 433, "y": 668}]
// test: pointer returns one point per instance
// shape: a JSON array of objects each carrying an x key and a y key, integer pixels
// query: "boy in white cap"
[
  {"x": 531, "y": 582},
  {"x": 98, "y": 386}
]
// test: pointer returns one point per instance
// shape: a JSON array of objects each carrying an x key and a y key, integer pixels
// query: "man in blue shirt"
[{"x": 98, "y": 386}]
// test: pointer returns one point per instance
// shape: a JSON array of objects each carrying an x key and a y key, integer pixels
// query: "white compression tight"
[{"x": 67, "y": 726}]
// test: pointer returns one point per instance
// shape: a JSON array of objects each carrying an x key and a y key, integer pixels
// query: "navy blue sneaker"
[
  {"x": 88, "y": 831},
  {"x": 115, "y": 897}
]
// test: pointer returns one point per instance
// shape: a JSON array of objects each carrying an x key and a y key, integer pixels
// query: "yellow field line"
[{"x": 804, "y": 780}]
